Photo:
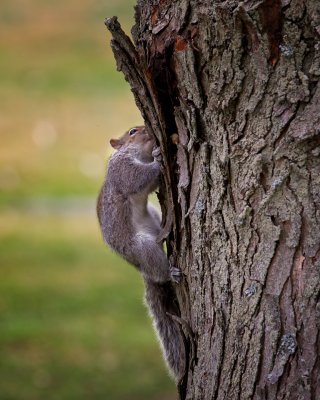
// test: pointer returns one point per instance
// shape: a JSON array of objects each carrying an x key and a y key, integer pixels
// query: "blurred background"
[{"x": 72, "y": 320}]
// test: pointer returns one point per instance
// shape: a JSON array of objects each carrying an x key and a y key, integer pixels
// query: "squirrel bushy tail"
[{"x": 161, "y": 301}]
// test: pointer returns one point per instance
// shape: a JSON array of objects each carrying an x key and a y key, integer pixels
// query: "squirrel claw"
[
  {"x": 156, "y": 154},
  {"x": 175, "y": 274}
]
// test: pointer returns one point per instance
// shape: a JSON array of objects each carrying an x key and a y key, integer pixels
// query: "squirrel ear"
[{"x": 116, "y": 143}]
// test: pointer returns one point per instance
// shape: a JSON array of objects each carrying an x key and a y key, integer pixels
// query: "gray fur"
[{"x": 130, "y": 226}]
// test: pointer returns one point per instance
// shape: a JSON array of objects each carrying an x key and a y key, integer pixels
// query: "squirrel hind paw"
[
  {"x": 156, "y": 154},
  {"x": 175, "y": 274}
]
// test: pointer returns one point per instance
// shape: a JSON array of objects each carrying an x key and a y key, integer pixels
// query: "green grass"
[{"x": 72, "y": 320}]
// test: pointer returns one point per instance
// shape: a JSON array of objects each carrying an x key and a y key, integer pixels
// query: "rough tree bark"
[{"x": 231, "y": 91}]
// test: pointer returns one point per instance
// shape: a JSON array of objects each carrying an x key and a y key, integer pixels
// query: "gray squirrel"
[{"x": 130, "y": 225}]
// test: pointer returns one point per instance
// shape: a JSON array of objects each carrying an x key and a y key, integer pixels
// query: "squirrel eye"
[{"x": 133, "y": 131}]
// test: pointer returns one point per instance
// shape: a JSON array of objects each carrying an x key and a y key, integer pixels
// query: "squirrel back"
[{"x": 122, "y": 206}]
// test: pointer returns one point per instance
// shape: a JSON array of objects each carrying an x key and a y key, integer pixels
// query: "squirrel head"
[{"x": 137, "y": 141}]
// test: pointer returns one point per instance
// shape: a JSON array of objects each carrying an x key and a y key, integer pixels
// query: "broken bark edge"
[{"x": 112, "y": 23}]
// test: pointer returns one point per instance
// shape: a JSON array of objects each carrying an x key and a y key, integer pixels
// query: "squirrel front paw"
[{"x": 156, "y": 154}]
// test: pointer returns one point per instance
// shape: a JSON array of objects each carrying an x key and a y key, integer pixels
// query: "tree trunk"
[{"x": 231, "y": 91}]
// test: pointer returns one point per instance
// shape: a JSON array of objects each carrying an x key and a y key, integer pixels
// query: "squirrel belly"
[{"x": 130, "y": 226}]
